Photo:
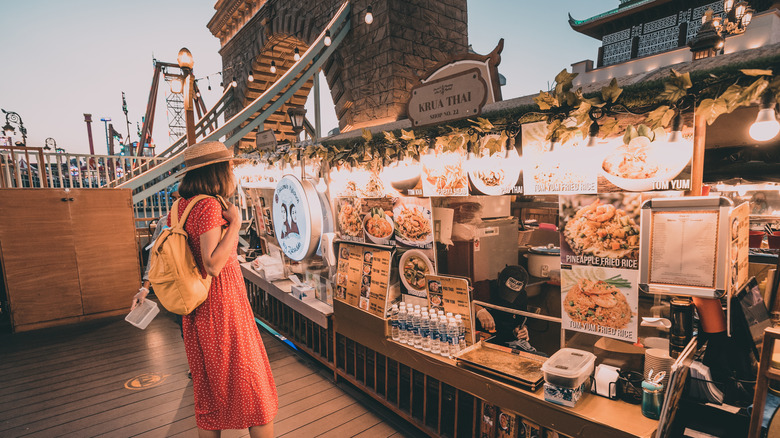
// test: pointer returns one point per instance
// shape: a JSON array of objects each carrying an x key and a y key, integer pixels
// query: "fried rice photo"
[
  {"x": 602, "y": 230},
  {"x": 597, "y": 302}
]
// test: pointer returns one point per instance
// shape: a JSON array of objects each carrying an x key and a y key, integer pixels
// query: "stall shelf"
[
  {"x": 308, "y": 324},
  {"x": 435, "y": 394}
]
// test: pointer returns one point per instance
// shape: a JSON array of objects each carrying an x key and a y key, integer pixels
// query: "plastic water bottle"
[
  {"x": 461, "y": 332},
  {"x": 452, "y": 336},
  {"x": 417, "y": 323},
  {"x": 444, "y": 345},
  {"x": 425, "y": 332},
  {"x": 402, "y": 330},
  {"x": 435, "y": 336},
  {"x": 395, "y": 332}
]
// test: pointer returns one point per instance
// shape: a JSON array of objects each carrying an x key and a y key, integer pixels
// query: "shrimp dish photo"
[
  {"x": 349, "y": 219},
  {"x": 597, "y": 302},
  {"x": 602, "y": 230},
  {"x": 412, "y": 225}
]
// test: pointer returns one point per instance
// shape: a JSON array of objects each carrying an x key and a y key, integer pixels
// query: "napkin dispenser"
[{"x": 605, "y": 381}]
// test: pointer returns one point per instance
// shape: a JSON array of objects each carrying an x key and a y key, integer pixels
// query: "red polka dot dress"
[{"x": 231, "y": 376}]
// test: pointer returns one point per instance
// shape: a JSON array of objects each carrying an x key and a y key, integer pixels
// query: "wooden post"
[
  {"x": 713, "y": 320},
  {"x": 697, "y": 164}
]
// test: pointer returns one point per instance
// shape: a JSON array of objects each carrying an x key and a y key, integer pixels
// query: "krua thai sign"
[{"x": 450, "y": 98}]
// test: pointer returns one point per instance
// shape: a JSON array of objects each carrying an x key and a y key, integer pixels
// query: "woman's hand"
[
  {"x": 232, "y": 214},
  {"x": 486, "y": 319},
  {"x": 139, "y": 297}
]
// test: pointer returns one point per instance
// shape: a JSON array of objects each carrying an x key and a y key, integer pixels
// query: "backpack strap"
[{"x": 180, "y": 221}]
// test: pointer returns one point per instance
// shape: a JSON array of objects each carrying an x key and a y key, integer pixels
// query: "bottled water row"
[{"x": 429, "y": 331}]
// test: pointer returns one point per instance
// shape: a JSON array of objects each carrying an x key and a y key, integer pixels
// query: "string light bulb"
[
  {"x": 327, "y": 39},
  {"x": 251, "y": 77},
  {"x": 234, "y": 83},
  {"x": 766, "y": 126},
  {"x": 593, "y": 135},
  {"x": 676, "y": 135},
  {"x": 273, "y": 66},
  {"x": 297, "y": 54},
  {"x": 369, "y": 15}
]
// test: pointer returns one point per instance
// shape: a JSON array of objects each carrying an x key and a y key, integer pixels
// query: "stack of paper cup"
[{"x": 658, "y": 360}]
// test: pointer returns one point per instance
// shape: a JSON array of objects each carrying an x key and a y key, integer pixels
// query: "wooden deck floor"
[{"x": 73, "y": 382}]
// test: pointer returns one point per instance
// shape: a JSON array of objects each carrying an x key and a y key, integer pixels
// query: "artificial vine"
[{"x": 567, "y": 111}]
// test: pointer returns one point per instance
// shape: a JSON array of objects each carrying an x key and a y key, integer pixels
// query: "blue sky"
[{"x": 62, "y": 59}]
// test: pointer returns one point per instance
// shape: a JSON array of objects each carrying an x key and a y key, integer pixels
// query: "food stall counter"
[
  {"x": 593, "y": 416},
  {"x": 313, "y": 309}
]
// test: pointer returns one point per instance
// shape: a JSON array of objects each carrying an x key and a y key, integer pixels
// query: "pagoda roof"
[{"x": 622, "y": 17}]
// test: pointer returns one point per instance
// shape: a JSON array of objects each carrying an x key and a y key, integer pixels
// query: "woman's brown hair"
[{"x": 214, "y": 179}]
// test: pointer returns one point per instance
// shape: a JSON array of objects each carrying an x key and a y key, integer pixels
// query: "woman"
[{"x": 231, "y": 376}]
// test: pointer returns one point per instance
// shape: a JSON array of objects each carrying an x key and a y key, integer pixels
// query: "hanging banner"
[
  {"x": 555, "y": 168},
  {"x": 599, "y": 264},
  {"x": 637, "y": 160},
  {"x": 444, "y": 168}
]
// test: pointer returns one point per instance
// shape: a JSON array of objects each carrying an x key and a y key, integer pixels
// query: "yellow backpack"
[{"x": 173, "y": 273}]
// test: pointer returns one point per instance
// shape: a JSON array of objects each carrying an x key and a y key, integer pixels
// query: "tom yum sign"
[{"x": 450, "y": 98}]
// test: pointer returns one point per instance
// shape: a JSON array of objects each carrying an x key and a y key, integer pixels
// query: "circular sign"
[{"x": 297, "y": 217}]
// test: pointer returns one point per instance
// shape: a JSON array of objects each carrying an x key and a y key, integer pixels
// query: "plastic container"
[
  {"x": 569, "y": 367},
  {"x": 142, "y": 315}
]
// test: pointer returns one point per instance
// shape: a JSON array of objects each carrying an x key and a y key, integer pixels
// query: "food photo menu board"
[
  {"x": 599, "y": 263},
  {"x": 451, "y": 294},
  {"x": 403, "y": 222},
  {"x": 636, "y": 160},
  {"x": 363, "y": 277}
]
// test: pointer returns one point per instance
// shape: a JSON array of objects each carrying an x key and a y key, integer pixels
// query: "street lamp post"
[
  {"x": 15, "y": 118},
  {"x": 186, "y": 62},
  {"x": 297, "y": 115}
]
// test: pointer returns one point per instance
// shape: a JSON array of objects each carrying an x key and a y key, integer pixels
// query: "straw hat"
[{"x": 205, "y": 153}]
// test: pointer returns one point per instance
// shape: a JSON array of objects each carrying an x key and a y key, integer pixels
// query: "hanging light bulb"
[
  {"x": 593, "y": 135},
  {"x": 766, "y": 126},
  {"x": 369, "y": 15},
  {"x": 676, "y": 135},
  {"x": 251, "y": 77},
  {"x": 297, "y": 54},
  {"x": 273, "y": 66},
  {"x": 321, "y": 186},
  {"x": 327, "y": 40},
  {"x": 234, "y": 83}
]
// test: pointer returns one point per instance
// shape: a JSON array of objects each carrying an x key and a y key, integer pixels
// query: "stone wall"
[{"x": 373, "y": 70}]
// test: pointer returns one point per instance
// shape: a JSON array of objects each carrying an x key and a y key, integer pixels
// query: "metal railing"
[{"x": 23, "y": 167}]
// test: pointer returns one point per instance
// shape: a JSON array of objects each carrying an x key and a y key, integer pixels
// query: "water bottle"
[
  {"x": 461, "y": 332},
  {"x": 424, "y": 309},
  {"x": 402, "y": 329},
  {"x": 425, "y": 332},
  {"x": 395, "y": 332},
  {"x": 444, "y": 345},
  {"x": 435, "y": 336},
  {"x": 417, "y": 322},
  {"x": 452, "y": 336}
]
